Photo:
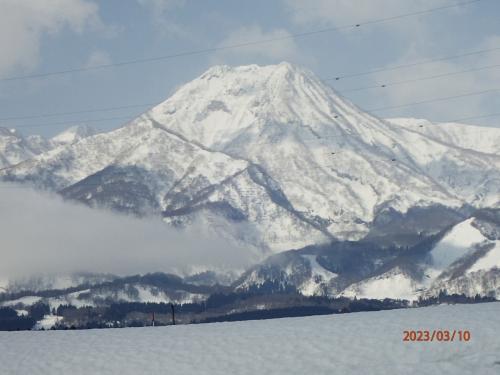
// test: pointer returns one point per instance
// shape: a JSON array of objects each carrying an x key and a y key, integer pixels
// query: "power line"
[
  {"x": 69, "y": 124},
  {"x": 434, "y": 100},
  {"x": 239, "y": 45},
  {"x": 335, "y": 116},
  {"x": 79, "y": 122},
  {"x": 409, "y": 65},
  {"x": 76, "y": 112},
  {"x": 388, "y": 84},
  {"x": 389, "y": 159},
  {"x": 384, "y": 85},
  {"x": 474, "y": 117}
]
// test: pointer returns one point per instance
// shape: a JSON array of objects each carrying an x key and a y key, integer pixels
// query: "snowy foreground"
[{"x": 359, "y": 343}]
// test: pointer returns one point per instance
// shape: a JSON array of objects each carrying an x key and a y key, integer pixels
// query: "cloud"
[
  {"x": 160, "y": 11},
  {"x": 481, "y": 80},
  {"x": 98, "y": 58},
  {"x": 41, "y": 233},
  {"x": 160, "y": 7},
  {"x": 407, "y": 40},
  {"x": 24, "y": 23},
  {"x": 348, "y": 12},
  {"x": 415, "y": 32},
  {"x": 283, "y": 49}
]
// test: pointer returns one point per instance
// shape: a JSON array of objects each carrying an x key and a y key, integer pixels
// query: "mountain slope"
[
  {"x": 15, "y": 148},
  {"x": 290, "y": 123},
  {"x": 144, "y": 169},
  {"x": 286, "y": 120},
  {"x": 269, "y": 149},
  {"x": 464, "y": 259},
  {"x": 72, "y": 135},
  {"x": 478, "y": 138}
]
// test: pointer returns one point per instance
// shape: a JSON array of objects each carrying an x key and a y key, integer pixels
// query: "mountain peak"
[
  {"x": 272, "y": 146},
  {"x": 216, "y": 71},
  {"x": 222, "y": 71},
  {"x": 73, "y": 134},
  {"x": 287, "y": 67},
  {"x": 8, "y": 132},
  {"x": 224, "y": 102}
]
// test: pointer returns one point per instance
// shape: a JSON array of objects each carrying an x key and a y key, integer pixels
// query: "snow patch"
[
  {"x": 458, "y": 242},
  {"x": 25, "y": 301},
  {"x": 489, "y": 261},
  {"x": 47, "y": 322},
  {"x": 393, "y": 284},
  {"x": 319, "y": 280}
]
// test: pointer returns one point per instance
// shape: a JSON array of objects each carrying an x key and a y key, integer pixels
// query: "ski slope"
[{"x": 358, "y": 343}]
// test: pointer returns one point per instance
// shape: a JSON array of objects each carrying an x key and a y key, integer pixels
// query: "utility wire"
[
  {"x": 76, "y": 112},
  {"x": 474, "y": 117},
  {"x": 434, "y": 100},
  {"x": 389, "y": 84},
  {"x": 382, "y": 85},
  {"x": 239, "y": 45},
  {"x": 440, "y": 99},
  {"x": 409, "y": 65},
  {"x": 304, "y": 140},
  {"x": 80, "y": 122}
]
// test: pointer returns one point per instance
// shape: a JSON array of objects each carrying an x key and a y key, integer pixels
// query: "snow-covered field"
[{"x": 358, "y": 343}]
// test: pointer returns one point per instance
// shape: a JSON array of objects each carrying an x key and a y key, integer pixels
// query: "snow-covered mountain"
[
  {"x": 466, "y": 260},
  {"x": 72, "y": 135},
  {"x": 273, "y": 158},
  {"x": 463, "y": 259},
  {"x": 270, "y": 156},
  {"x": 16, "y": 148},
  {"x": 101, "y": 290},
  {"x": 478, "y": 138},
  {"x": 313, "y": 142}
]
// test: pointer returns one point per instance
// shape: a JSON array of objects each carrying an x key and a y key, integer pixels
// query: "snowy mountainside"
[
  {"x": 286, "y": 120},
  {"x": 324, "y": 270},
  {"x": 271, "y": 149},
  {"x": 478, "y": 138},
  {"x": 133, "y": 292},
  {"x": 103, "y": 290},
  {"x": 478, "y": 270},
  {"x": 72, "y": 135},
  {"x": 464, "y": 259},
  {"x": 143, "y": 168},
  {"x": 53, "y": 282},
  {"x": 15, "y": 148}
]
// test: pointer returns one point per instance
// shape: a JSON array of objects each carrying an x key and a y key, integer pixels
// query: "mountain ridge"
[{"x": 335, "y": 165}]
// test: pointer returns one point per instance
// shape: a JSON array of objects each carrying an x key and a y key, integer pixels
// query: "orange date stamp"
[{"x": 438, "y": 335}]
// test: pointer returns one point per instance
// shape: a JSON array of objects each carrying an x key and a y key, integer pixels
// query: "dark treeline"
[
  {"x": 219, "y": 307},
  {"x": 444, "y": 297},
  {"x": 10, "y": 321},
  {"x": 289, "y": 312}
]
